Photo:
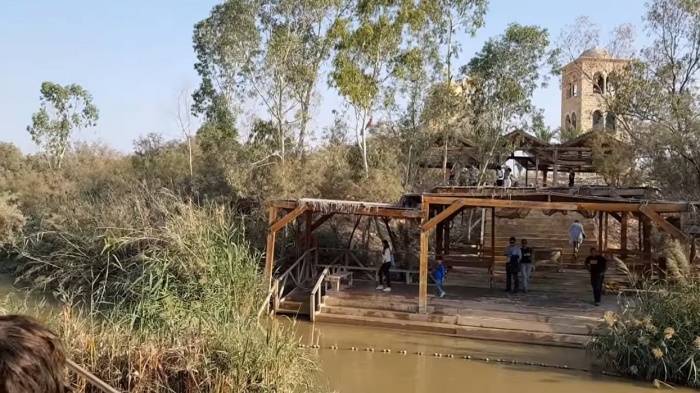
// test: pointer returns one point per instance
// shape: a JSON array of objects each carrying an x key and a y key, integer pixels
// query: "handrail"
[
  {"x": 297, "y": 262},
  {"x": 90, "y": 377},
  {"x": 266, "y": 303},
  {"x": 314, "y": 292}
]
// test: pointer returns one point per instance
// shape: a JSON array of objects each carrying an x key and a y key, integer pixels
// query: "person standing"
[
  {"x": 512, "y": 266},
  {"x": 500, "y": 175},
  {"x": 597, "y": 265},
  {"x": 384, "y": 269},
  {"x": 576, "y": 236},
  {"x": 473, "y": 176},
  {"x": 508, "y": 180},
  {"x": 525, "y": 263},
  {"x": 439, "y": 275},
  {"x": 572, "y": 176}
]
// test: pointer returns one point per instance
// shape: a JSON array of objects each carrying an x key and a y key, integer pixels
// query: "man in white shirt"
[
  {"x": 576, "y": 236},
  {"x": 384, "y": 269}
]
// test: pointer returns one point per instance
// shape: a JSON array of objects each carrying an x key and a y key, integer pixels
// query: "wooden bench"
[
  {"x": 349, "y": 269},
  {"x": 336, "y": 277}
]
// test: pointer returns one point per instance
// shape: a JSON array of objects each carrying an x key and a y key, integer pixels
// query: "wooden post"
[
  {"x": 623, "y": 233},
  {"x": 310, "y": 272},
  {"x": 544, "y": 178},
  {"x": 537, "y": 168},
  {"x": 423, "y": 280},
  {"x": 555, "y": 169},
  {"x": 646, "y": 234},
  {"x": 526, "y": 171},
  {"x": 270, "y": 250},
  {"x": 493, "y": 237},
  {"x": 446, "y": 237},
  {"x": 605, "y": 236},
  {"x": 600, "y": 230},
  {"x": 439, "y": 241}
]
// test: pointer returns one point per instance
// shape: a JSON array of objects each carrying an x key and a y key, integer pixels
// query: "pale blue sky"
[{"x": 135, "y": 56}]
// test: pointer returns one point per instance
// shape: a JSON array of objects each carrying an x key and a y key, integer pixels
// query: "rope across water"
[{"x": 464, "y": 357}]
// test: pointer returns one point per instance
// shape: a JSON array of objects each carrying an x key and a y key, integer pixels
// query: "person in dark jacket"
[
  {"x": 572, "y": 176},
  {"x": 597, "y": 265},
  {"x": 439, "y": 275},
  {"x": 512, "y": 266}
]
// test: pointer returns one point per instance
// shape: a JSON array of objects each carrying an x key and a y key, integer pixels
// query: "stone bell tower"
[{"x": 584, "y": 84}]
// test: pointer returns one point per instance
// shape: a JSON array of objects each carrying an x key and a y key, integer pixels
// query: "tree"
[
  {"x": 64, "y": 111},
  {"x": 502, "y": 77}
]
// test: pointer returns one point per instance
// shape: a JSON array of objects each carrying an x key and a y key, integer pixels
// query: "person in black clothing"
[
  {"x": 512, "y": 266},
  {"x": 596, "y": 265},
  {"x": 572, "y": 176},
  {"x": 525, "y": 263}
]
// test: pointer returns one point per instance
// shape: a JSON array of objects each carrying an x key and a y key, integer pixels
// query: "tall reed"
[{"x": 160, "y": 295}]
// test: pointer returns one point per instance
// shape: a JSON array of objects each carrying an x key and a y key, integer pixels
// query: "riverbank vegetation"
[{"x": 154, "y": 255}]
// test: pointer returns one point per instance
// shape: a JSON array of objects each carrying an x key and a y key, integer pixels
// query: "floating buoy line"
[{"x": 464, "y": 357}]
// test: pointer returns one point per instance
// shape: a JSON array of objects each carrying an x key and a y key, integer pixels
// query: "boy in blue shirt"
[
  {"x": 513, "y": 256},
  {"x": 439, "y": 275}
]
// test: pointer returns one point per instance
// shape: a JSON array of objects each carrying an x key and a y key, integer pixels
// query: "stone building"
[{"x": 585, "y": 84}]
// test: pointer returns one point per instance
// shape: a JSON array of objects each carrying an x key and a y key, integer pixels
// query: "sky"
[{"x": 136, "y": 57}]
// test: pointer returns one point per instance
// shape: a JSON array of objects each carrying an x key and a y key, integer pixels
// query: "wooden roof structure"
[
  {"x": 436, "y": 208},
  {"x": 536, "y": 154}
]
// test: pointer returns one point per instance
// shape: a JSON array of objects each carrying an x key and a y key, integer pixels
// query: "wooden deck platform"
[{"x": 478, "y": 313}]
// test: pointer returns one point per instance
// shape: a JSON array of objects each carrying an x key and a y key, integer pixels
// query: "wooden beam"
[
  {"x": 289, "y": 217},
  {"x": 322, "y": 220},
  {"x": 423, "y": 279},
  {"x": 569, "y": 206},
  {"x": 270, "y": 250},
  {"x": 605, "y": 235},
  {"x": 386, "y": 210},
  {"x": 555, "y": 169},
  {"x": 446, "y": 237},
  {"x": 665, "y": 225},
  {"x": 440, "y": 217}
]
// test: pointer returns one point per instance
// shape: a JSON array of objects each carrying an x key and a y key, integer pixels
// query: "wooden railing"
[
  {"x": 316, "y": 297},
  {"x": 302, "y": 270}
]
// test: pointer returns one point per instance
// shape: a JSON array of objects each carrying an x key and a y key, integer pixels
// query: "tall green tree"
[
  {"x": 503, "y": 77},
  {"x": 64, "y": 111}
]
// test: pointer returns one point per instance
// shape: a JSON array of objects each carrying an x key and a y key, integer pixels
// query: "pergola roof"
[
  {"x": 357, "y": 208},
  {"x": 538, "y": 154}
]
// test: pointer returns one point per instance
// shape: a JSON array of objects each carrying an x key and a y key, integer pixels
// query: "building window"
[
  {"x": 568, "y": 122},
  {"x": 610, "y": 122},
  {"x": 573, "y": 120},
  {"x": 598, "y": 84},
  {"x": 597, "y": 120},
  {"x": 574, "y": 90}
]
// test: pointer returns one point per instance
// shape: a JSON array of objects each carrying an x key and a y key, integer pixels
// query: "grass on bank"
[
  {"x": 656, "y": 337},
  {"x": 158, "y": 295}
]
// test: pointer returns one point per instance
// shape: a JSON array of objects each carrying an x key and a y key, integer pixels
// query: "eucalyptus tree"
[
  {"x": 64, "y": 110},
  {"x": 503, "y": 77}
]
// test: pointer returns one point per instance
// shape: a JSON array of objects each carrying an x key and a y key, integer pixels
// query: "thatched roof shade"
[{"x": 357, "y": 208}]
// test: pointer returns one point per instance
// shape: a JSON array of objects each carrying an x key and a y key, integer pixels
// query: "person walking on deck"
[
  {"x": 572, "y": 176},
  {"x": 387, "y": 259},
  {"x": 525, "y": 263},
  {"x": 576, "y": 236},
  {"x": 513, "y": 256},
  {"x": 596, "y": 265},
  {"x": 439, "y": 275}
]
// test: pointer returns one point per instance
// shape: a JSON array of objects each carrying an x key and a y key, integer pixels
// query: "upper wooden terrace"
[
  {"x": 530, "y": 152},
  {"x": 433, "y": 209}
]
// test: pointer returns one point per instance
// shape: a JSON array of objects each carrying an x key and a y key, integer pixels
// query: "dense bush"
[
  {"x": 161, "y": 294},
  {"x": 656, "y": 336}
]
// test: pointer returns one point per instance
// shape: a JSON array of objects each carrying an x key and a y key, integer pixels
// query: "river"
[{"x": 348, "y": 371}]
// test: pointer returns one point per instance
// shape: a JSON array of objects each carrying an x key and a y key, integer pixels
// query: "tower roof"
[{"x": 595, "y": 53}]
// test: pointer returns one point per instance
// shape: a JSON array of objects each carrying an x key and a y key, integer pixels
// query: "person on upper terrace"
[
  {"x": 513, "y": 256},
  {"x": 473, "y": 175},
  {"x": 572, "y": 176},
  {"x": 500, "y": 176}
]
